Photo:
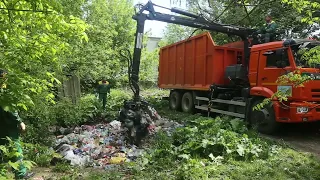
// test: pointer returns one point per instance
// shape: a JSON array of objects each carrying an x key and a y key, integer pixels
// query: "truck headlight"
[{"x": 302, "y": 109}]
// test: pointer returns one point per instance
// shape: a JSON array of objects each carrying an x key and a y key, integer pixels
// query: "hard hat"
[{"x": 105, "y": 81}]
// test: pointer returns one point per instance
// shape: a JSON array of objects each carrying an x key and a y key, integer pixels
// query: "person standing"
[
  {"x": 103, "y": 90},
  {"x": 12, "y": 126}
]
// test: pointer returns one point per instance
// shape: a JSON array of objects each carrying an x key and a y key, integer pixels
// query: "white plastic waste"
[
  {"x": 75, "y": 159},
  {"x": 116, "y": 125}
]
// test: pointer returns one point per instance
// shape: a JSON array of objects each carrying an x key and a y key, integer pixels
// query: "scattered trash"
[
  {"x": 103, "y": 145},
  {"x": 117, "y": 160}
]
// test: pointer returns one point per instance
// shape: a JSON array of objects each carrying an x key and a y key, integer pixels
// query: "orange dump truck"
[{"x": 198, "y": 72}]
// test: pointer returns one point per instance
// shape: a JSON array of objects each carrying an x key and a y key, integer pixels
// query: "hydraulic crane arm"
[
  {"x": 191, "y": 20},
  {"x": 133, "y": 109}
]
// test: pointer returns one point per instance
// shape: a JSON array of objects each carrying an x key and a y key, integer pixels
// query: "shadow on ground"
[{"x": 304, "y": 137}]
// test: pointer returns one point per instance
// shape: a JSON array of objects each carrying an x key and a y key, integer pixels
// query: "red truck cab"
[{"x": 302, "y": 105}]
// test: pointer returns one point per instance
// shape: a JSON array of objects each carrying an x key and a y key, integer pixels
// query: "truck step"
[
  {"x": 202, "y": 98},
  {"x": 238, "y": 103},
  {"x": 204, "y": 107}
]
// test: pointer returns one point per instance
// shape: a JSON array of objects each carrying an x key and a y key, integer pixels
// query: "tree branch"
[
  {"x": 224, "y": 11},
  {"x": 245, "y": 9},
  {"x": 253, "y": 9}
]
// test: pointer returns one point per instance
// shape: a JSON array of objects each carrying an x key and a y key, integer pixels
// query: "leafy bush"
[
  {"x": 41, "y": 155},
  {"x": 38, "y": 133},
  {"x": 39, "y": 119},
  {"x": 70, "y": 114},
  {"x": 44, "y": 117},
  {"x": 219, "y": 137},
  {"x": 115, "y": 100},
  {"x": 221, "y": 148},
  {"x": 9, "y": 160},
  {"x": 62, "y": 167}
]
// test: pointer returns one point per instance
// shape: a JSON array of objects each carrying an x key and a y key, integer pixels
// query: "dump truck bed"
[{"x": 195, "y": 63}]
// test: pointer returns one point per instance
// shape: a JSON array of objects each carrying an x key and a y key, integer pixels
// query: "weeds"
[
  {"x": 62, "y": 167},
  {"x": 10, "y": 159},
  {"x": 41, "y": 155}
]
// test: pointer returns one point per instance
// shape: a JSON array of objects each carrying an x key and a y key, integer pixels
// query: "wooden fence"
[{"x": 71, "y": 88}]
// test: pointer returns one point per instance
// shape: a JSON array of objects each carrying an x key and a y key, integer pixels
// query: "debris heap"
[{"x": 102, "y": 145}]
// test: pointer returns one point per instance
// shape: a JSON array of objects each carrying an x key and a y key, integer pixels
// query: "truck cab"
[{"x": 268, "y": 62}]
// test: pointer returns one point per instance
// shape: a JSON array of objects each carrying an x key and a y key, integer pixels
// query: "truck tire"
[
  {"x": 175, "y": 100},
  {"x": 263, "y": 120},
  {"x": 187, "y": 103}
]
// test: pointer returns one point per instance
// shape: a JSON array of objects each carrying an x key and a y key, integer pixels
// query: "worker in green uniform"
[
  {"x": 268, "y": 30},
  {"x": 103, "y": 90},
  {"x": 11, "y": 126}
]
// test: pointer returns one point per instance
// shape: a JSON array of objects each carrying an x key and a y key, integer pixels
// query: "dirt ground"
[
  {"x": 48, "y": 174},
  {"x": 302, "y": 137}
]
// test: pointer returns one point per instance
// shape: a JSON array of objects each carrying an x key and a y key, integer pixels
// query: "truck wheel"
[
  {"x": 187, "y": 103},
  {"x": 175, "y": 100},
  {"x": 264, "y": 119}
]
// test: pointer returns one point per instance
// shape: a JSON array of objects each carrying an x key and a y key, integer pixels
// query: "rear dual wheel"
[
  {"x": 185, "y": 103},
  {"x": 175, "y": 100}
]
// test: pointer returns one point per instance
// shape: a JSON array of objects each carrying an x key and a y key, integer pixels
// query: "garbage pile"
[{"x": 102, "y": 145}]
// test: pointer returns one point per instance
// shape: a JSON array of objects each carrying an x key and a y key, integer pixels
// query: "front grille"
[{"x": 315, "y": 93}]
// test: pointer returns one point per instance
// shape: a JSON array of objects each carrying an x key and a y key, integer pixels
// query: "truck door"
[{"x": 269, "y": 69}]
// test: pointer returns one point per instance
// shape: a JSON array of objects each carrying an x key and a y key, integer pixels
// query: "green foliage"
[
  {"x": 213, "y": 141},
  {"x": 114, "y": 174},
  {"x": 219, "y": 137},
  {"x": 69, "y": 114},
  {"x": 43, "y": 118},
  {"x": 9, "y": 159},
  {"x": 149, "y": 67},
  {"x": 31, "y": 43},
  {"x": 41, "y": 155},
  {"x": 174, "y": 33},
  {"x": 220, "y": 148},
  {"x": 62, "y": 167},
  {"x": 305, "y": 7},
  {"x": 111, "y": 28},
  {"x": 250, "y": 13},
  {"x": 116, "y": 99},
  {"x": 312, "y": 56}
]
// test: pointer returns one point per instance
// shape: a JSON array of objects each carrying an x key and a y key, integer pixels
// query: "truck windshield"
[{"x": 307, "y": 54}]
